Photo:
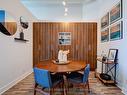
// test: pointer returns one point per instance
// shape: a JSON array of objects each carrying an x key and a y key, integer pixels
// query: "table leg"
[
  {"x": 65, "y": 89},
  {"x": 64, "y": 82}
]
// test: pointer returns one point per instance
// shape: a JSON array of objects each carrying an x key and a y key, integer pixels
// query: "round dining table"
[
  {"x": 71, "y": 66},
  {"x": 55, "y": 67}
]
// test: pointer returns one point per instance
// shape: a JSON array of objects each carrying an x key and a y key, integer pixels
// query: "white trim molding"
[
  {"x": 124, "y": 91},
  {"x": 11, "y": 84}
]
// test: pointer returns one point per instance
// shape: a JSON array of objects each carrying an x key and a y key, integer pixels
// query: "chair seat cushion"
[
  {"x": 75, "y": 77},
  {"x": 56, "y": 78}
]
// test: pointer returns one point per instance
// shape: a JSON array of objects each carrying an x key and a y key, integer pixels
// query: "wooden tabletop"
[{"x": 57, "y": 68}]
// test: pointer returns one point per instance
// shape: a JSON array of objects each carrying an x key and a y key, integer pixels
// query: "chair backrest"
[
  {"x": 86, "y": 73},
  {"x": 42, "y": 77}
]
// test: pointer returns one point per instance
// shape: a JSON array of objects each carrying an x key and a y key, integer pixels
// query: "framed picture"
[
  {"x": 105, "y": 21},
  {"x": 64, "y": 38},
  {"x": 105, "y": 35},
  {"x": 112, "y": 55},
  {"x": 116, "y": 31},
  {"x": 116, "y": 12}
]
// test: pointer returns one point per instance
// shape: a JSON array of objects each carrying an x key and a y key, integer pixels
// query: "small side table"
[{"x": 108, "y": 69}]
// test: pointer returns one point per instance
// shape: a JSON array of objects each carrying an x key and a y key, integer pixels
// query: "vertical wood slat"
[{"x": 83, "y": 41}]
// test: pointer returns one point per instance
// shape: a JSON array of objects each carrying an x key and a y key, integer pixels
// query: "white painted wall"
[
  {"x": 94, "y": 12},
  {"x": 91, "y": 11},
  {"x": 15, "y": 57}
]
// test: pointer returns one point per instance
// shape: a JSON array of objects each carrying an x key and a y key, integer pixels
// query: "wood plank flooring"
[{"x": 25, "y": 87}]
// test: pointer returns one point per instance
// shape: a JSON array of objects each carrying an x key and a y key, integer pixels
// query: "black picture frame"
[{"x": 112, "y": 55}]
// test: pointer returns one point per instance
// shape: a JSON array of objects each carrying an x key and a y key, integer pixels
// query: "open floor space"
[{"x": 25, "y": 87}]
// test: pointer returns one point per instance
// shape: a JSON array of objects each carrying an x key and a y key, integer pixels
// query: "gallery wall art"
[
  {"x": 105, "y": 35},
  {"x": 116, "y": 32},
  {"x": 105, "y": 21},
  {"x": 112, "y": 24},
  {"x": 116, "y": 12}
]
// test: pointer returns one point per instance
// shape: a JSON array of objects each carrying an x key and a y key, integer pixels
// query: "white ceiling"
[
  {"x": 48, "y": 2},
  {"x": 42, "y": 9}
]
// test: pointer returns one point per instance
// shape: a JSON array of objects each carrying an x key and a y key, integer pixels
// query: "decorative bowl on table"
[{"x": 60, "y": 62}]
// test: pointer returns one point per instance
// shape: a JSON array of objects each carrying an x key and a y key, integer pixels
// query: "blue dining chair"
[
  {"x": 44, "y": 79},
  {"x": 77, "y": 78}
]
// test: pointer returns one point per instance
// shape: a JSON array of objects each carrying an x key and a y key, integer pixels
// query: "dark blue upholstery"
[
  {"x": 56, "y": 78},
  {"x": 75, "y": 77},
  {"x": 86, "y": 73},
  {"x": 78, "y": 77},
  {"x": 45, "y": 79}
]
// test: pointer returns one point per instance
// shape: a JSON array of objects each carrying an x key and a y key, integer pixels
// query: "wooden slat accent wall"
[{"x": 83, "y": 44}]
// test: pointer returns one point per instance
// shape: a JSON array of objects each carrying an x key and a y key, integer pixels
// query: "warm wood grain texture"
[
  {"x": 70, "y": 67},
  {"x": 83, "y": 41},
  {"x": 25, "y": 87}
]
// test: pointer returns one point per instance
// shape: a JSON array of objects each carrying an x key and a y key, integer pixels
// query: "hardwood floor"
[{"x": 25, "y": 87}]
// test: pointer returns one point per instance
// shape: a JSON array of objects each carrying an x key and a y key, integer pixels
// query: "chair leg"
[
  {"x": 66, "y": 90},
  {"x": 35, "y": 88},
  {"x": 50, "y": 90},
  {"x": 67, "y": 86},
  {"x": 84, "y": 89},
  {"x": 88, "y": 86},
  {"x": 62, "y": 88}
]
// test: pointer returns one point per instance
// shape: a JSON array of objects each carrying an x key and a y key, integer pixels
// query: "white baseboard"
[
  {"x": 8, "y": 86},
  {"x": 124, "y": 91}
]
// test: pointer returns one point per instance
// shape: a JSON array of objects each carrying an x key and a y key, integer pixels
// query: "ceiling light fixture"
[
  {"x": 65, "y": 14},
  {"x": 64, "y": 3},
  {"x": 66, "y": 9}
]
